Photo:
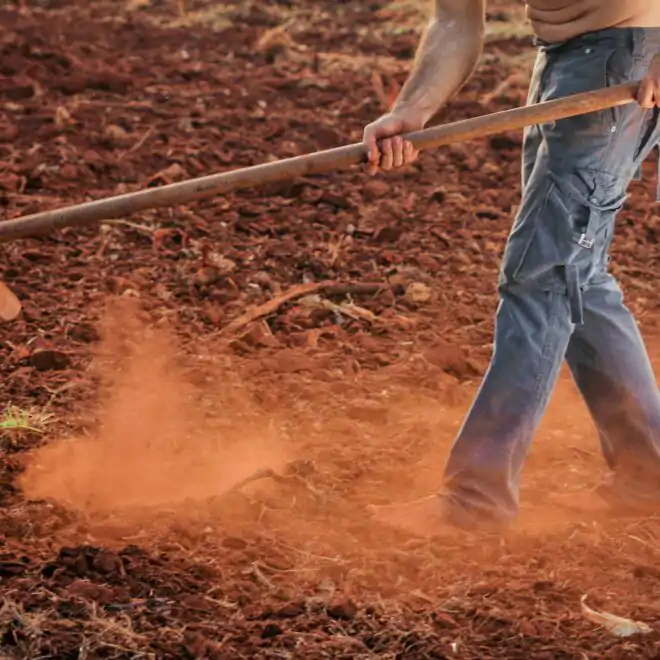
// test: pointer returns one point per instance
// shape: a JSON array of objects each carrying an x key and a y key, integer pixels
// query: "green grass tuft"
[{"x": 17, "y": 419}]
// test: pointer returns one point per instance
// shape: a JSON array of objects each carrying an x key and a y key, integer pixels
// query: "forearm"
[{"x": 446, "y": 57}]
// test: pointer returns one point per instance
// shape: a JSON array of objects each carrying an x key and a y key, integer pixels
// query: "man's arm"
[{"x": 446, "y": 57}]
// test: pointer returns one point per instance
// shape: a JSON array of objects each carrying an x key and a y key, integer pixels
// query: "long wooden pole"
[{"x": 316, "y": 163}]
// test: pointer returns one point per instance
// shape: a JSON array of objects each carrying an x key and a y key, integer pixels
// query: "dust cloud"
[{"x": 166, "y": 433}]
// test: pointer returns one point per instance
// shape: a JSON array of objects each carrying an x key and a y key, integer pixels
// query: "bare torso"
[{"x": 558, "y": 20}]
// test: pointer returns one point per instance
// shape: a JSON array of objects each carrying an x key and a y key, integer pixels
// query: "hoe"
[{"x": 316, "y": 163}]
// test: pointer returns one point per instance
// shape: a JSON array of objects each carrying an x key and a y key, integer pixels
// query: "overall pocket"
[{"x": 567, "y": 227}]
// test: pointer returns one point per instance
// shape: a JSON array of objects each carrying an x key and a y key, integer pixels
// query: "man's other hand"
[{"x": 648, "y": 95}]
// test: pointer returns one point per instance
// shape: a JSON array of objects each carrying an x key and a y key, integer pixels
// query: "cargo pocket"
[{"x": 561, "y": 235}]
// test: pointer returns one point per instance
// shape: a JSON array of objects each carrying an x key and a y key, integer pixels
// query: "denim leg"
[
  {"x": 532, "y": 331},
  {"x": 606, "y": 354},
  {"x": 611, "y": 367},
  {"x": 575, "y": 174}
]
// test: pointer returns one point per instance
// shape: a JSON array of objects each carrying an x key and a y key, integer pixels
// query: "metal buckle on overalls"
[{"x": 585, "y": 242}]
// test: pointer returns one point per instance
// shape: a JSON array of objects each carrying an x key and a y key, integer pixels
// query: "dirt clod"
[
  {"x": 107, "y": 562},
  {"x": 49, "y": 360},
  {"x": 290, "y": 610},
  {"x": 234, "y": 543},
  {"x": 343, "y": 609},
  {"x": 92, "y": 592},
  {"x": 271, "y": 630}
]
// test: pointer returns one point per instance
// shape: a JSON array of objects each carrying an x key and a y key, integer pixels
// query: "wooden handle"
[{"x": 316, "y": 163}]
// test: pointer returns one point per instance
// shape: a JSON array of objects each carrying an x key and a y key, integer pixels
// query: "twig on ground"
[
  {"x": 138, "y": 144},
  {"x": 264, "y": 473},
  {"x": 328, "y": 288},
  {"x": 260, "y": 577}
]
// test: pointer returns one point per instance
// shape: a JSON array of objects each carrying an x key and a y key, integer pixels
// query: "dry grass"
[
  {"x": 403, "y": 16},
  {"x": 16, "y": 419},
  {"x": 216, "y": 16},
  {"x": 101, "y": 635},
  {"x": 26, "y": 630},
  {"x": 111, "y": 634}
]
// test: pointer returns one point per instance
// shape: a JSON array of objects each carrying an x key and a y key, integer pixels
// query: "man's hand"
[
  {"x": 396, "y": 152},
  {"x": 447, "y": 54},
  {"x": 648, "y": 95}
]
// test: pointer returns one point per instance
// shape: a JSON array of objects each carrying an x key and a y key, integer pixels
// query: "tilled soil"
[{"x": 200, "y": 486}]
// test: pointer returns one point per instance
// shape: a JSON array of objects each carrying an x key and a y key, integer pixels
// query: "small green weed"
[{"x": 17, "y": 419}]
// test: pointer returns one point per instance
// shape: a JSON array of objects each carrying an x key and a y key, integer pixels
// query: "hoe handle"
[{"x": 315, "y": 163}]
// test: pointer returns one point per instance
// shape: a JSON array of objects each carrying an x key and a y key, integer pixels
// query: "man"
[{"x": 557, "y": 299}]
